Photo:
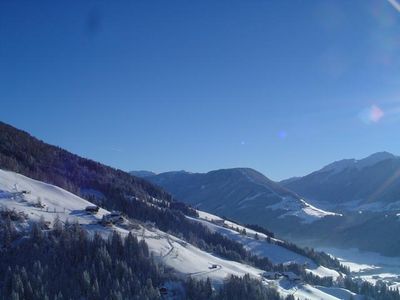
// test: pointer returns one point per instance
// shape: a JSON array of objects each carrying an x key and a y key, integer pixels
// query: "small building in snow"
[
  {"x": 291, "y": 276},
  {"x": 93, "y": 209},
  {"x": 219, "y": 222},
  {"x": 213, "y": 266},
  {"x": 272, "y": 275},
  {"x": 105, "y": 222},
  {"x": 114, "y": 217}
]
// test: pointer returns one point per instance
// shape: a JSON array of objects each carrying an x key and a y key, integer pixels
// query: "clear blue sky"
[{"x": 284, "y": 87}]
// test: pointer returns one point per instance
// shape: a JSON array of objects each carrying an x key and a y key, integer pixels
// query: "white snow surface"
[
  {"x": 275, "y": 253},
  {"x": 184, "y": 258},
  {"x": 369, "y": 266},
  {"x": 57, "y": 201},
  {"x": 301, "y": 209}
]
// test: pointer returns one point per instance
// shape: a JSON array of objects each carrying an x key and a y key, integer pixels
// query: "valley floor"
[{"x": 369, "y": 266}]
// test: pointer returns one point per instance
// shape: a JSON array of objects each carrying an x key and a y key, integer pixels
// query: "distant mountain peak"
[
  {"x": 243, "y": 171},
  {"x": 142, "y": 173},
  {"x": 370, "y": 160},
  {"x": 370, "y": 183},
  {"x": 375, "y": 158}
]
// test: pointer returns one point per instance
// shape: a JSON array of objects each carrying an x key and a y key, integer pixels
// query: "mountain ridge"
[
  {"x": 371, "y": 183},
  {"x": 239, "y": 198},
  {"x": 236, "y": 191}
]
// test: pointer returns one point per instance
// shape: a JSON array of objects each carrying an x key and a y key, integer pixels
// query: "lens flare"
[
  {"x": 282, "y": 134},
  {"x": 372, "y": 114},
  {"x": 376, "y": 113},
  {"x": 395, "y": 4}
]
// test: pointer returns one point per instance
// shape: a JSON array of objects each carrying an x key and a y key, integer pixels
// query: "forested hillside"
[
  {"x": 22, "y": 153},
  {"x": 66, "y": 264}
]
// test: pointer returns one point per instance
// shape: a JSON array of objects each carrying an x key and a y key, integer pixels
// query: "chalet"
[
  {"x": 39, "y": 204},
  {"x": 105, "y": 222},
  {"x": 272, "y": 275},
  {"x": 219, "y": 222},
  {"x": 92, "y": 209},
  {"x": 291, "y": 276},
  {"x": 114, "y": 217},
  {"x": 213, "y": 266}
]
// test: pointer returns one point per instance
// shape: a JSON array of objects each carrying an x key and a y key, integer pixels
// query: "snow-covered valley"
[{"x": 369, "y": 266}]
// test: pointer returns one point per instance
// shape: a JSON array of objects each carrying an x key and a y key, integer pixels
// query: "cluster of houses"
[
  {"x": 110, "y": 219},
  {"x": 278, "y": 275}
]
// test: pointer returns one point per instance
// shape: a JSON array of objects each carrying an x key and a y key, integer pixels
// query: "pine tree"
[{"x": 57, "y": 225}]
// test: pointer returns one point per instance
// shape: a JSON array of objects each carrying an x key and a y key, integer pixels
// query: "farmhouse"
[
  {"x": 219, "y": 222},
  {"x": 114, "y": 218},
  {"x": 291, "y": 276},
  {"x": 105, "y": 222},
  {"x": 272, "y": 275},
  {"x": 213, "y": 266},
  {"x": 93, "y": 209}
]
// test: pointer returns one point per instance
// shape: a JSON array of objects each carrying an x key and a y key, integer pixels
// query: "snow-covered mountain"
[
  {"x": 249, "y": 197},
  {"x": 372, "y": 183},
  {"x": 23, "y": 194},
  {"x": 240, "y": 193}
]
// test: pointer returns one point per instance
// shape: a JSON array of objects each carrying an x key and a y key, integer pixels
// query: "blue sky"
[{"x": 284, "y": 87}]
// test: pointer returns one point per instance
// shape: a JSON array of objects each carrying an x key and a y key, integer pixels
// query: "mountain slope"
[
  {"x": 248, "y": 197},
  {"x": 237, "y": 193},
  {"x": 256, "y": 242},
  {"x": 67, "y": 206},
  {"x": 20, "y": 193},
  {"x": 112, "y": 188},
  {"x": 372, "y": 183},
  {"x": 23, "y": 153}
]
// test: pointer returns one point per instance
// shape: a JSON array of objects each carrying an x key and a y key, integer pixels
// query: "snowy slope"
[
  {"x": 176, "y": 253},
  {"x": 301, "y": 209},
  {"x": 184, "y": 258},
  {"x": 56, "y": 201},
  {"x": 191, "y": 261},
  {"x": 275, "y": 253}
]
